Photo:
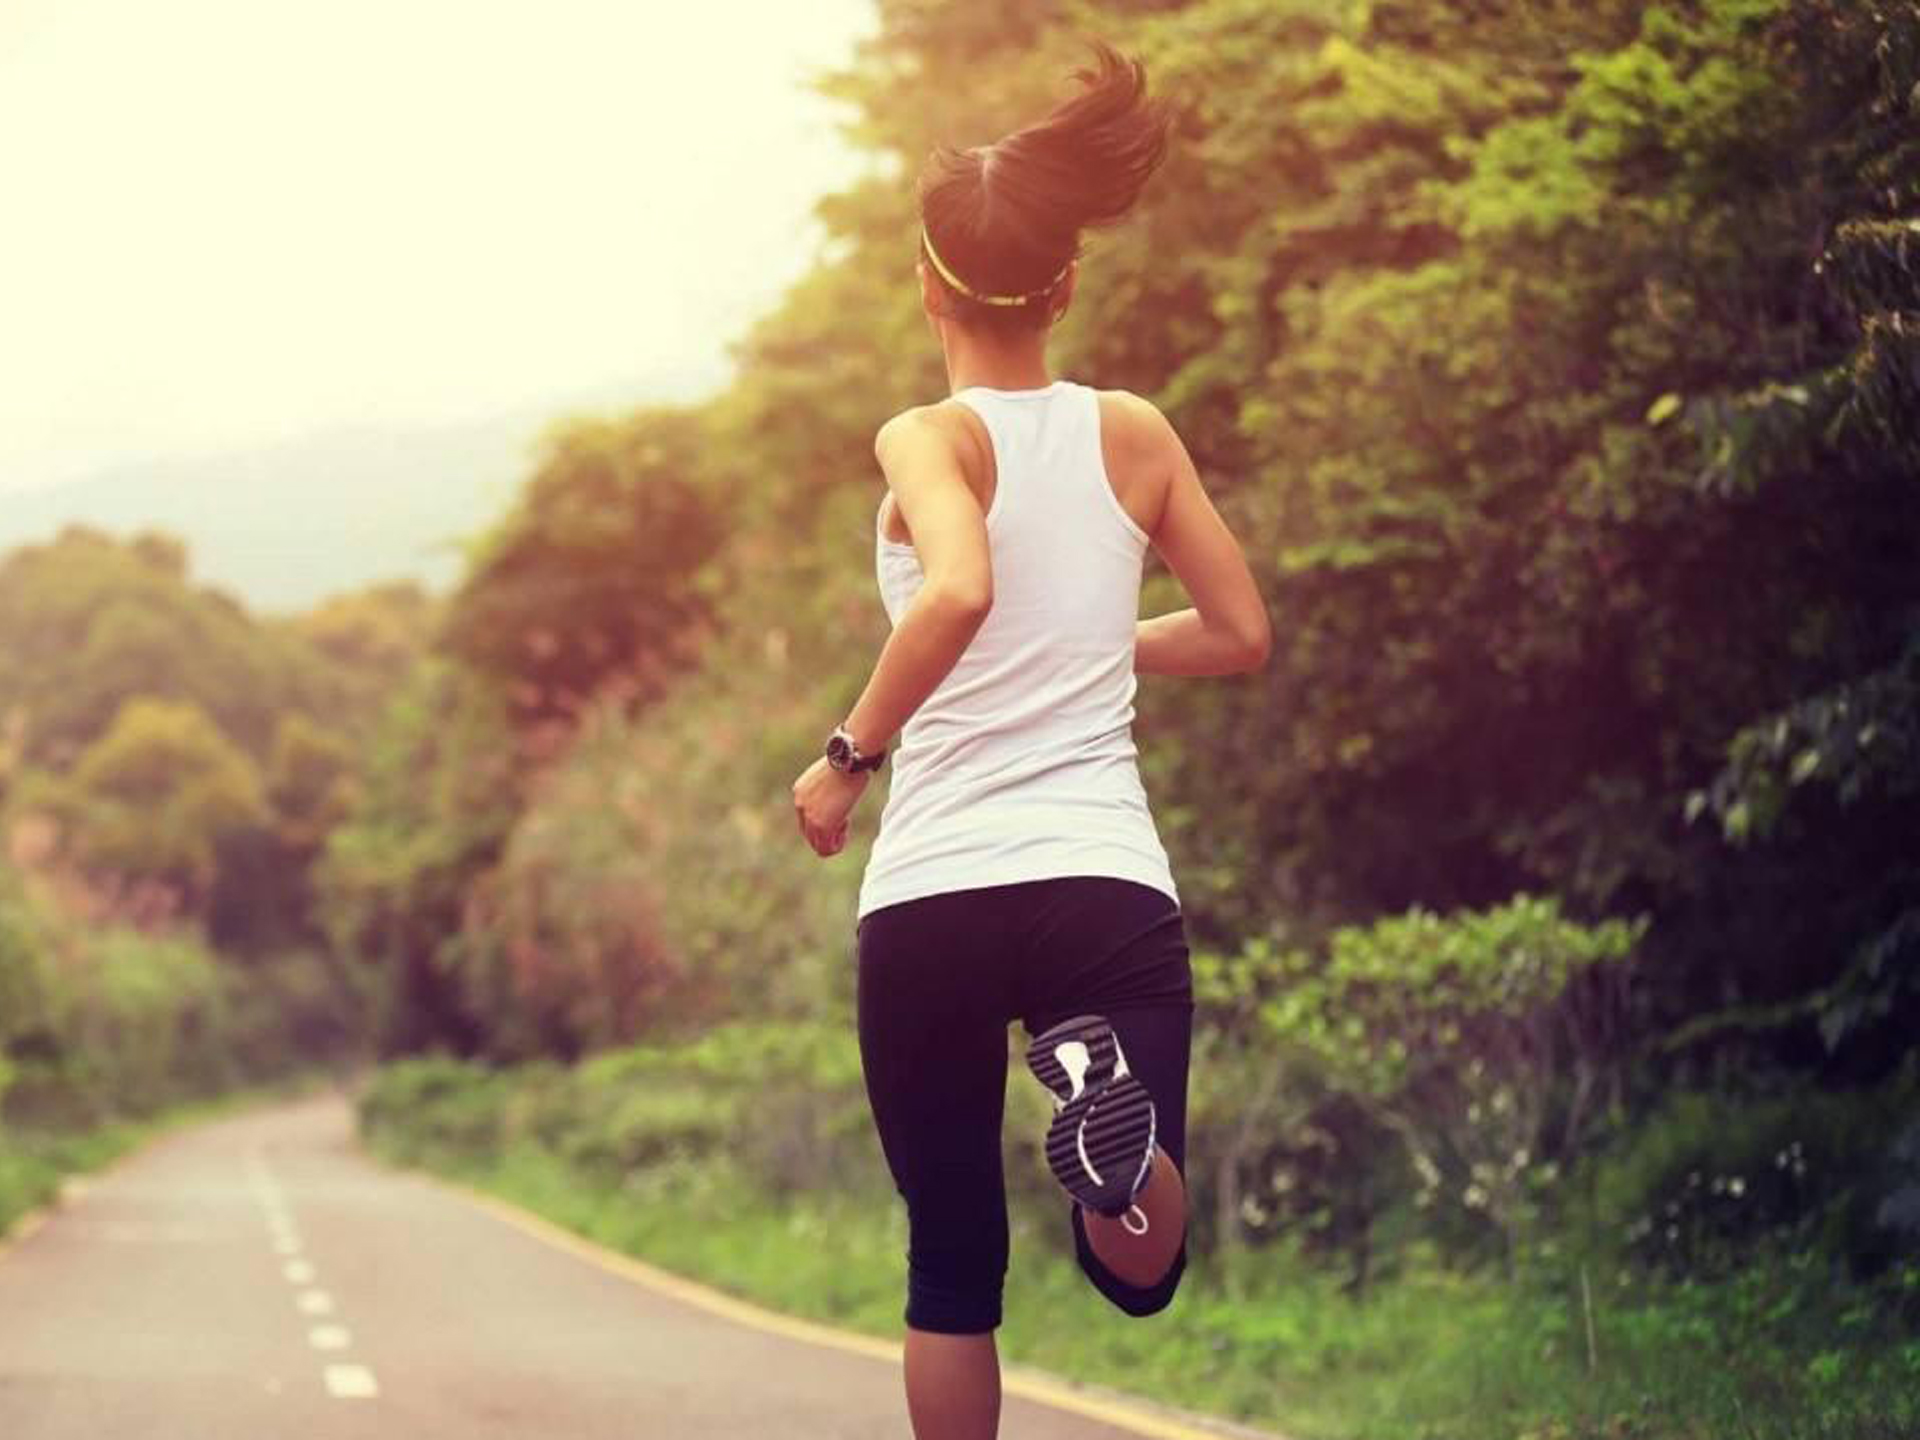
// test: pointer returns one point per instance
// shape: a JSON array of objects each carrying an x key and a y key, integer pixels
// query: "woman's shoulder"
[
  {"x": 947, "y": 426},
  {"x": 1132, "y": 416},
  {"x": 920, "y": 423},
  {"x": 1133, "y": 431}
]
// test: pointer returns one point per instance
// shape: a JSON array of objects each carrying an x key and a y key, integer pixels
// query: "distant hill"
[{"x": 286, "y": 524}]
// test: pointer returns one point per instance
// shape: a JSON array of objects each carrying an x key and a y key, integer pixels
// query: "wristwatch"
[{"x": 844, "y": 756}]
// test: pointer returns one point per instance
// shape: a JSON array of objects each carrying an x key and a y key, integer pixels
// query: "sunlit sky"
[{"x": 228, "y": 221}]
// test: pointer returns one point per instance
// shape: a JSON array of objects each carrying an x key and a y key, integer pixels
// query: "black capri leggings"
[{"x": 940, "y": 979}]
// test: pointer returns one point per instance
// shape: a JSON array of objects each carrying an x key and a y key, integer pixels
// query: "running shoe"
[{"x": 1100, "y": 1144}]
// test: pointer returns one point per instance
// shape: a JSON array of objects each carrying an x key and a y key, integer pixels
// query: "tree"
[
  {"x": 159, "y": 799},
  {"x": 87, "y": 622},
  {"x": 593, "y": 577}
]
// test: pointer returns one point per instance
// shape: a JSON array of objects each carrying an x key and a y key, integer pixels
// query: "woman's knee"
[
  {"x": 1129, "y": 1298},
  {"x": 1141, "y": 1301},
  {"x": 954, "y": 1291},
  {"x": 957, "y": 1250},
  {"x": 946, "y": 1303}
]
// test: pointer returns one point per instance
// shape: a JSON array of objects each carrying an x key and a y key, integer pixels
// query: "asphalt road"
[{"x": 258, "y": 1276}]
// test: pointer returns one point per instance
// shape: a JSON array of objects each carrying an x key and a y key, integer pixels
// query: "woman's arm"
[
  {"x": 919, "y": 451},
  {"x": 1226, "y": 630},
  {"x": 1182, "y": 643}
]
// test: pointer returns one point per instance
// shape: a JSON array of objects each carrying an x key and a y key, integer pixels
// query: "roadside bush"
[
  {"x": 784, "y": 1102},
  {"x": 26, "y": 1180},
  {"x": 588, "y": 934},
  {"x": 142, "y": 1012},
  {"x": 434, "y": 1108},
  {"x": 1483, "y": 1041},
  {"x": 130, "y": 1022},
  {"x": 1707, "y": 1176}
]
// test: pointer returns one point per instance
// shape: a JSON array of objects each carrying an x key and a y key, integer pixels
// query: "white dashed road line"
[
  {"x": 351, "y": 1382},
  {"x": 343, "y": 1381}
]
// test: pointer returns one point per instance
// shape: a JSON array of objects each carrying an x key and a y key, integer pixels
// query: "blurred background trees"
[{"x": 172, "y": 768}]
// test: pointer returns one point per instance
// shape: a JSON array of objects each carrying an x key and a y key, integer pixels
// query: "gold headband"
[{"x": 967, "y": 290}]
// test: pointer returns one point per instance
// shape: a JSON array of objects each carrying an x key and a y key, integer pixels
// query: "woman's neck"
[{"x": 1015, "y": 362}]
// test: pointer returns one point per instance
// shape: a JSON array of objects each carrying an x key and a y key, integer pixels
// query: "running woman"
[{"x": 1017, "y": 873}]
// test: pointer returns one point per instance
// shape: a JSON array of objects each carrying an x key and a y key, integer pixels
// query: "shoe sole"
[
  {"x": 1097, "y": 1057},
  {"x": 1100, "y": 1145}
]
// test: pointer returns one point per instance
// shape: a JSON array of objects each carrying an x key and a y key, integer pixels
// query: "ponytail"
[{"x": 1001, "y": 224}]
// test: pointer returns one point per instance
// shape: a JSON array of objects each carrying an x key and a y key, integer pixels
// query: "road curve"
[{"x": 259, "y": 1275}]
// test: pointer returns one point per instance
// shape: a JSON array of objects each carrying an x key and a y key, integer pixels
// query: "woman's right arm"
[{"x": 1226, "y": 630}]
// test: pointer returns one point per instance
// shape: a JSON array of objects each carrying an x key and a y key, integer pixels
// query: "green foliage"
[
  {"x": 561, "y": 939},
  {"x": 435, "y": 797},
  {"x": 158, "y": 797},
  {"x": 168, "y": 766},
  {"x": 166, "y": 752},
  {"x": 27, "y": 939},
  {"x": 1707, "y": 1178},
  {"x": 590, "y": 579},
  {"x": 1860, "y": 738},
  {"x": 132, "y": 1015},
  {"x": 374, "y": 635},
  {"x": 99, "y": 1021},
  {"x": 86, "y": 623},
  {"x": 782, "y": 1103},
  {"x": 432, "y": 1106},
  {"x": 1466, "y": 1036},
  {"x": 307, "y": 781},
  {"x": 589, "y": 930}
]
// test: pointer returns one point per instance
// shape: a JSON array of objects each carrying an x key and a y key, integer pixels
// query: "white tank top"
[{"x": 1021, "y": 764}]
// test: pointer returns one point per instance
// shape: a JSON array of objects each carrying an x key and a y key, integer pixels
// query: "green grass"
[{"x": 1432, "y": 1355}]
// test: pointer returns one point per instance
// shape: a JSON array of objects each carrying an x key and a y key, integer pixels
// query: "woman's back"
[{"x": 1021, "y": 764}]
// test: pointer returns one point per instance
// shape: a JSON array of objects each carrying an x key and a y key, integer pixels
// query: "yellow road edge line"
[{"x": 1026, "y": 1384}]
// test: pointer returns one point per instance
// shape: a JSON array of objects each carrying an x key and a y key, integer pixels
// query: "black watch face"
[{"x": 839, "y": 752}]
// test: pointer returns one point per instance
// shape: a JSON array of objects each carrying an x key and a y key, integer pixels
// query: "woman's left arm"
[{"x": 919, "y": 452}]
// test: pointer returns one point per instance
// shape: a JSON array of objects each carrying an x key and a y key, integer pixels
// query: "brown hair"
[{"x": 1006, "y": 218}]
